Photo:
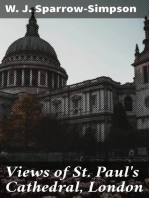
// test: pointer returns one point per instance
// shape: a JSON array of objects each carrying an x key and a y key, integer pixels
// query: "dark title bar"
[{"x": 75, "y": 9}]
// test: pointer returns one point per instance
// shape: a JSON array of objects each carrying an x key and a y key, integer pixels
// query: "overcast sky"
[{"x": 86, "y": 48}]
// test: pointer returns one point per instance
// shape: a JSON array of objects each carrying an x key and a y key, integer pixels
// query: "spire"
[
  {"x": 137, "y": 53},
  {"x": 146, "y": 29},
  {"x": 137, "y": 50},
  {"x": 32, "y": 27}
]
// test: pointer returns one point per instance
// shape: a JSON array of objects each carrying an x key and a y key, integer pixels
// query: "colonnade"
[{"x": 31, "y": 77}]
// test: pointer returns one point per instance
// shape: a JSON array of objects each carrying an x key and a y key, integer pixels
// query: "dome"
[
  {"x": 31, "y": 65},
  {"x": 31, "y": 44}
]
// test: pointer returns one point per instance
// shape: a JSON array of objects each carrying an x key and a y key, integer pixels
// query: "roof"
[{"x": 29, "y": 44}]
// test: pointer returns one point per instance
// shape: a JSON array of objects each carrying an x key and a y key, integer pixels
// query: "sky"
[{"x": 86, "y": 48}]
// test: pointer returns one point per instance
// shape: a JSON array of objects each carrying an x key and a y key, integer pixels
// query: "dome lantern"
[{"x": 32, "y": 27}]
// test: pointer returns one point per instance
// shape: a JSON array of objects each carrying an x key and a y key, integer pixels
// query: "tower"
[{"x": 141, "y": 68}]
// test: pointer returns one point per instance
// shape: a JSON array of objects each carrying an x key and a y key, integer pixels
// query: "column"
[
  {"x": 83, "y": 131},
  {"x": 48, "y": 107},
  {"x": 15, "y": 77},
  {"x": 70, "y": 106},
  {"x": 7, "y": 79},
  {"x": 105, "y": 98},
  {"x": 83, "y": 104},
  {"x": 23, "y": 77},
  {"x": 98, "y": 132},
  {"x": 102, "y": 132},
  {"x": 88, "y": 102},
  {"x": 63, "y": 106},
  {"x": 2, "y": 79},
  {"x": 62, "y": 82},
  {"x": 38, "y": 77},
  {"x": 98, "y": 100},
  {"x": 111, "y": 101},
  {"x": 46, "y": 79},
  {"x": 58, "y": 81},
  {"x": 30, "y": 79},
  {"x": 101, "y": 99},
  {"x": 66, "y": 105},
  {"x": 52, "y": 80}
]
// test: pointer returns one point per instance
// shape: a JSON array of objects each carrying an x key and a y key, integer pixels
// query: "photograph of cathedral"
[
  {"x": 31, "y": 65},
  {"x": 74, "y": 102}
]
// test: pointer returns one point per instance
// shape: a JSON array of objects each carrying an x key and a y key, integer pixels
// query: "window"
[
  {"x": 75, "y": 107},
  {"x": 147, "y": 102},
  {"x": 11, "y": 77},
  {"x": 49, "y": 79},
  {"x": 55, "y": 80},
  {"x": 93, "y": 101},
  {"x": 60, "y": 81},
  {"x": 57, "y": 109},
  {"x": 128, "y": 103},
  {"x": 42, "y": 78},
  {"x": 75, "y": 104},
  {"x": 57, "y": 106},
  {"x": 19, "y": 77},
  {"x": 27, "y": 77},
  {"x": 75, "y": 112},
  {"x": 5, "y": 78},
  {"x": 145, "y": 73}
]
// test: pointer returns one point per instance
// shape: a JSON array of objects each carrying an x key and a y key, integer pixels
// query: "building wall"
[
  {"x": 142, "y": 93},
  {"x": 89, "y": 103},
  {"x": 97, "y": 113}
]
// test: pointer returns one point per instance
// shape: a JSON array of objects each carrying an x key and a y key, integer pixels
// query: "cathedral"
[{"x": 31, "y": 65}]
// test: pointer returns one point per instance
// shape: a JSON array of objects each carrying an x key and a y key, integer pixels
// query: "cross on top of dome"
[{"x": 33, "y": 11}]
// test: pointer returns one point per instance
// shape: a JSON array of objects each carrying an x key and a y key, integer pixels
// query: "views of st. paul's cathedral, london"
[{"x": 31, "y": 65}]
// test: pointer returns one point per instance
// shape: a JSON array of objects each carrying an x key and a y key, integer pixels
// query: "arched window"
[{"x": 128, "y": 103}]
